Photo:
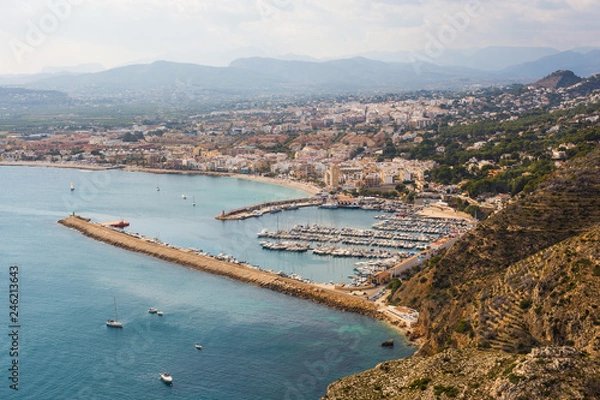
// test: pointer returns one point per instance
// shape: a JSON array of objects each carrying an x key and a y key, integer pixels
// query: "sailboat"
[
  {"x": 193, "y": 201},
  {"x": 114, "y": 323},
  {"x": 72, "y": 187}
]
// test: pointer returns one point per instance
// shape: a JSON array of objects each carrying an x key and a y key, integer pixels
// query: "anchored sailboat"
[
  {"x": 72, "y": 187},
  {"x": 114, "y": 323}
]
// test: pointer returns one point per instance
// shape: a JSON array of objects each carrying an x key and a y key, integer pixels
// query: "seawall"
[{"x": 340, "y": 301}]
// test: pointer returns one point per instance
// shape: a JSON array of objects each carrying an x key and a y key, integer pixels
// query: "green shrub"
[
  {"x": 525, "y": 304},
  {"x": 450, "y": 391},
  {"x": 420, "y": 383},
  {"x": 463, "y": 326}
]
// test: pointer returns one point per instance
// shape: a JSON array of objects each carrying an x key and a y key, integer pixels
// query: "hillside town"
[{"x": 383, "y": 145}]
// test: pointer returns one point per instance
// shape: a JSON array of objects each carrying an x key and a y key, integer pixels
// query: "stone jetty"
[{"x": 328, "y": 297}]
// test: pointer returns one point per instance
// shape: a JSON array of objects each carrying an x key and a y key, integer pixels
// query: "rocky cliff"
[{"x": 557, "y": 373}]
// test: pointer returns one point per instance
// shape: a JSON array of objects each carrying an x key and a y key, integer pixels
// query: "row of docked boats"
[{"x": 323, "y": 250}]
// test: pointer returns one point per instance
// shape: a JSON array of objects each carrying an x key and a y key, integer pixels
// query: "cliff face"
[
  {"x": 558, "y": 373},
  {"x": 522, "y": 278}
]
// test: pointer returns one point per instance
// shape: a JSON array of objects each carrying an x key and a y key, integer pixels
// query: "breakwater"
[
  {"x": 331, "y": 298},
  {"x": 258, "y": 210}
]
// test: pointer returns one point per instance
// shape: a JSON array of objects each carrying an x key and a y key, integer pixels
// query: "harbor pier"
[{"x": 191, "y": 259}]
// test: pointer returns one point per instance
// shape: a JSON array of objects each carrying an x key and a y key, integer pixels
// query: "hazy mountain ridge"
[
  {"x": 582, "y": 64},
  {"x": 272, "y": 76}
]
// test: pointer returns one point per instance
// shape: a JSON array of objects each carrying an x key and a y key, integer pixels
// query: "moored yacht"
[
  {"x": 166, "y": 378},
  {"x": 114, "y": 323}
]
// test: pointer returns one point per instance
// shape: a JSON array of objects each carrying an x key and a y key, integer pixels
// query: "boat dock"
[{"x": 270, "y": 207}]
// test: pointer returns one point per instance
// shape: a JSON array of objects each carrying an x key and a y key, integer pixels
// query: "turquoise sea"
[{"x": 257, "y": 344}]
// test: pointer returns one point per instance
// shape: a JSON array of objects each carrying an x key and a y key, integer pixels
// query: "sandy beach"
[
  {"x": 293, "y": 184},
  {"x": 439, "y": 212},
  {"x": 54, "y": 165},
  {"x": 298, "y": 185}
]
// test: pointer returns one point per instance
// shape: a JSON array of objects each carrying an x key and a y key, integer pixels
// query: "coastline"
[
  {"x": 298, "y": 185},
  {"x": 313, "y": 292},
  {"x": 55, "y": 165}
]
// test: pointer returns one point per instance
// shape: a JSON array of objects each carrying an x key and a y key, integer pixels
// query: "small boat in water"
[
  {"x": 183, "y": 196},
  {"x": 159, "y": 313},
  {"x": 114, "y": 323},
  {"x": 166, "y": 378},
  {"x": 152, "y": 310},
  {"x": 199, "y": 347},
  {"x": 72, "y": 187}
]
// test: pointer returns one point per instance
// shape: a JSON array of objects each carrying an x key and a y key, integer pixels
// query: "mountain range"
[{"x": 267, "y": 76}]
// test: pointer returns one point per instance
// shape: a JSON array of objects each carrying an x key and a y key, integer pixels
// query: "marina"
[
  {"x": 394, "y": 238},
  {"x": 198, "y": 307}
]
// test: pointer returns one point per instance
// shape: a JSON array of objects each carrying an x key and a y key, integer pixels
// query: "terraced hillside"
[
  {"x": 512, "y": 310},
  {"x": 486, "y": 290}
]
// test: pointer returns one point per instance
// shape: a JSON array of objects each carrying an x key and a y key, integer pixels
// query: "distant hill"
[
  {"x": 181, "y": 82},
  {"x": 264, "y": 76},
  {"x": 361, "y": 73},
  {"x": 493, "y": 58},
  {"x": 582, "y": 64},
  {"x": 17, "y": 98},
  {"x": 76, "y": 69},
  {"x": 558, "y": 79},
  {"x": 586, "y": 86},
  {"x": 190, "y": 79}
]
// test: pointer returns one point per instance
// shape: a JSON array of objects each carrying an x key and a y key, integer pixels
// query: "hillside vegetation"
[
  {"x": 483, "y": 278},
  {"x": 525, "y": 281},
  {"x": 557, "y": 373}
]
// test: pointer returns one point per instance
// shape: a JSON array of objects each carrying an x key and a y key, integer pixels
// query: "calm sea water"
[{"x": 257, "y": 344}]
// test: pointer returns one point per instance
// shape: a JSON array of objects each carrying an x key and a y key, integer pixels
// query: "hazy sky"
[{"x": 39, "y": 33}]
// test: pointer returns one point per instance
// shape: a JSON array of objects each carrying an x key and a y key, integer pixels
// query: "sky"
[{"x": 39, "y": 33}]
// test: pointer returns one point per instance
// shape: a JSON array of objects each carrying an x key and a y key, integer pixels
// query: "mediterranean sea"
[{"x": 257, "y": 344}]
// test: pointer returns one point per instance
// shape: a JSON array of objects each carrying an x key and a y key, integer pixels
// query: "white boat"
[
  {"x": 160, "y": 313},
  {"x": 72, "y": 187},
  {"x": 329, "y": 205},
  {"x": 158, "y": 188},
  {"x": 199, "y": 347},
  {"x": 194, "y": 201},
  {"x": 152, "y": 310},
  {"x": 114, "y": 323},
  {"x": 183, "y": 196},
  {"x": 166, "y": 378}
]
